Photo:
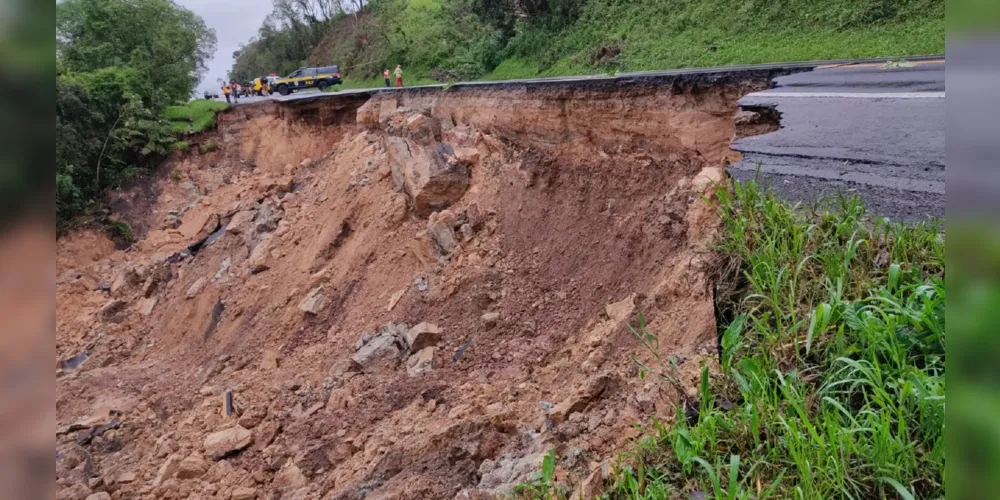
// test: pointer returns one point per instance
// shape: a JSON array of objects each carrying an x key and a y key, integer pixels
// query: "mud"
[{"x": 345, "y": 220}]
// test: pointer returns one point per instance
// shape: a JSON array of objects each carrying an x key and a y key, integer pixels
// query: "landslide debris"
[{"x": 416, "y": 295}]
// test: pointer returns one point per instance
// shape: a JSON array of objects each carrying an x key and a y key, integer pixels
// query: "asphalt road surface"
[
  {"x": 869, "y": 130},
  {"x": 854, "y": 127}
]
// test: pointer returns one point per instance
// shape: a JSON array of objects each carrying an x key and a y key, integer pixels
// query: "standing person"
[
  {"x": 399, "y": 75},
  {"x": 225, "y": 91},
  {"x": 236, "y": 91},
  {"x": 385, "y": 74},
  {"x": 256, "y": 86}
]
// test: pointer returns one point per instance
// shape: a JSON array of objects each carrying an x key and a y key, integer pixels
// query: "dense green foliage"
[
  {"x": 496, "y": 39},
  {"x": 832, "y": 369},
  {"x": 119, "y": 64}
]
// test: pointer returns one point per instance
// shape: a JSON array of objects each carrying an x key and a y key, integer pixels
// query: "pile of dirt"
[{"x": 418, "y": 302}]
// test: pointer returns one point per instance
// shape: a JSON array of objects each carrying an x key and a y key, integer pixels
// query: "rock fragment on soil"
[
  {"x": 421, "y": 362},
  {"x": 394, "y": 299},
  {"x": 422, "y": 172},
  {"x": 269, "y": 360},
  {"x": 192, "y": 467},
  {"x": 375, "y": 349},
  {"x": 224, "y": 442},
  {"x": 76, "y": 491},
  {"x": 146, "y": 306},
  {"x": 195, "y": 288},
  {"x": 167, "y": 469},
  {"x": 243, "y": 493},
  {"x": 110, "y": 310},
  {"x": 258, "y": 257},
  {"x": 314, "y": 302},
  {"x": 490, "y": 318},
  {"x": 579, "y": 399},
  {"x": 240, "y": 222},
  {"x": 501, "y": 475},
  {"x": 622, "y": 310},
  {"x": 421, "y": 336}
]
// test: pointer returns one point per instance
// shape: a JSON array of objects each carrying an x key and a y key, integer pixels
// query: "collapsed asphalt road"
[
  {"x": 857, "y": 127},
  {"x": 869, "y": 130}
]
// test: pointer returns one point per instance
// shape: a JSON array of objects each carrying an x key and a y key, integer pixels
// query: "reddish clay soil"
[{"x": 527, "y": 227}]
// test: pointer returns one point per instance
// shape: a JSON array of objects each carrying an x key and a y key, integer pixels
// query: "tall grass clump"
[
  {"x": 194, "y": 117},
  {"x": 831, "y": 380}
]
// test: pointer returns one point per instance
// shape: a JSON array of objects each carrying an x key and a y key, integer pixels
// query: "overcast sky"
[{"x": 234, "y": 22}]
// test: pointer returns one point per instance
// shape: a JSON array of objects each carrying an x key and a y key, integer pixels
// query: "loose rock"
[
  {"x": 110, "y": 310},
  {"x": 146, "y": 306},
  {"x": 195, "y": 288},
  {"x": 421, "y": 336},
  {"x": 421, "y": 362},
  {"x": 621, "y": 310},
  {"x": 377, "y": 348},
  {"x": 240, "y": 223},
  {"x": 490, "y": 318},
  {"x": 243, "y": 493},
  {"x": 221, "y": 443},
  {"x": 580, "y": 398},
  {"x": 168, "y": 469},
  {"x": 269, "y": 360},
  {"x": 314, "y": 302},
  {"x": 258, "y": 258},
  {"x": 422, "y": 172},
  {"x": 395, "y": 299},
  {"x": 192, "y": 467}
]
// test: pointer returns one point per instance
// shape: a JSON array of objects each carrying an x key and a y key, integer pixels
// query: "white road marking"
[{"x": 857, "y": 95}]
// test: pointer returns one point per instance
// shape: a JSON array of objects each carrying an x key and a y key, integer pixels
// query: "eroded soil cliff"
[{"x": 413, "y": 295}]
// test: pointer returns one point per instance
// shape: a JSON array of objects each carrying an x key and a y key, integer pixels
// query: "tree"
[
  {"x": 119, "y": 63},
  {"x": 166, "y": 44}
]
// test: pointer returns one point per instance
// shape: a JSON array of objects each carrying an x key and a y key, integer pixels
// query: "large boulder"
[
  {"x": 421, "y": 128},
  {"x": 426, "y": 176},
  {"x": 222, "y": 443}
]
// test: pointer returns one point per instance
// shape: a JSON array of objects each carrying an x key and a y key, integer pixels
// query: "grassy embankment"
[
  {"x": 831, "y": 379},
  {"x": 194, "y": 117},
  {"x": 611, "y": 36}
]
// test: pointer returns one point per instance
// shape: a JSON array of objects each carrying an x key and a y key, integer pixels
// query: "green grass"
[
  {"x": 614, "y": 36},
  {"x": 832, "y": 364},
  {"x": 194, "y": 117}
]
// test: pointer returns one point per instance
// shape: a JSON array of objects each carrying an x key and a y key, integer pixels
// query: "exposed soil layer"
[{"x": 414, "y": 295}]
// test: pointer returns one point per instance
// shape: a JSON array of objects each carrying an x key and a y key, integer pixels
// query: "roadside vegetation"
[
  {"x": 194, "y": 117},
  {"x": 451, "y": 40},
  {"x": 831, "y": 375},
  {"x": 120, "y": 66}
]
